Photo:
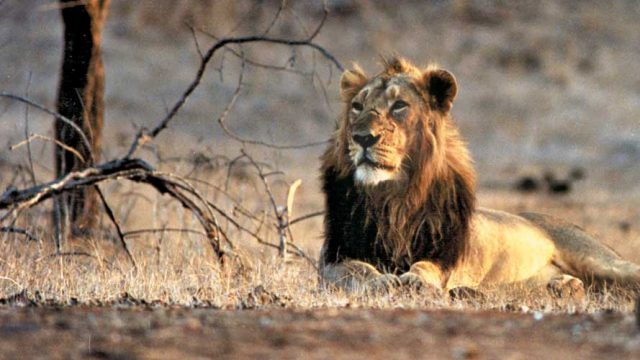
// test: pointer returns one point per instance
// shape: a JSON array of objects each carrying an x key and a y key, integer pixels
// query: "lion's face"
[
  {"x": 380, "y": 118},
  {"x": 386, "y": 115}
]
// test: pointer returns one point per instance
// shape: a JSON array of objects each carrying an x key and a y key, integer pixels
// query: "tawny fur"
[{"x": 406, "y": 204}]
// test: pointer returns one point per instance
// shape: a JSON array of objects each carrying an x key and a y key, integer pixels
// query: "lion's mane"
[{"x": 392, "y": 225}]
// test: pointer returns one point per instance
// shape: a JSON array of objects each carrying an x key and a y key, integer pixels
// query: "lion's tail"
[{"x": 581, "y": 255}]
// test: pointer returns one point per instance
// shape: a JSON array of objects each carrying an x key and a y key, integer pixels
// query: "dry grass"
[
  {"x": 189, "y": 276},
  {"x": 180, "y": 268}
]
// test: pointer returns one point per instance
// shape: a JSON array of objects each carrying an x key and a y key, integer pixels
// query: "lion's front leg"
[
  {"x": 424, "y": 275},
  {"x": 354, "y": 275}
]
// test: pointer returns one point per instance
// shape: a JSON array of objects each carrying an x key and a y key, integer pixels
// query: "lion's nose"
[{"x": 365, "y": 140}]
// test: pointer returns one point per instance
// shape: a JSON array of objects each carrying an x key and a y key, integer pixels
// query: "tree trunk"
[{"x": 81, "y": 99}]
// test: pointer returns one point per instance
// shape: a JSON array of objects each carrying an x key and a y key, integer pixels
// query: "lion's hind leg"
[
  {"x": 354, "y": 275},
  {"x": 581, "y": 254}
]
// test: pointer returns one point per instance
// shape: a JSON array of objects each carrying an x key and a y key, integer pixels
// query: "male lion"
[{"x": 400, "y": 198}]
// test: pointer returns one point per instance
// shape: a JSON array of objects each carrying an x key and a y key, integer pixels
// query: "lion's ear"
[
  {"x": 442, "y": 88},
  {"x": 351, "y": 81}
]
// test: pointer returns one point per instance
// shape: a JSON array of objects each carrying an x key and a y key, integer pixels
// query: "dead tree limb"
[{"x": 136, "y": 170}]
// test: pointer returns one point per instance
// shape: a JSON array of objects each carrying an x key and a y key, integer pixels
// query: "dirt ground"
[{"x": 154, "y": 333}]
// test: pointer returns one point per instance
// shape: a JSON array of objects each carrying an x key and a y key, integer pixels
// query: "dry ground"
[{"x": 161, "y": 333}]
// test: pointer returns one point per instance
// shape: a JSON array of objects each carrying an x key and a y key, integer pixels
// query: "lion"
[{"x": 399, "y": 186}]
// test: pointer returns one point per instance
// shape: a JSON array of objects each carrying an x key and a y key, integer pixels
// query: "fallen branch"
[{"x": 136, "y": 170}]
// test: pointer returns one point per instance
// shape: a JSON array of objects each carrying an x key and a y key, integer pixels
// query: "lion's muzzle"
[{"x": 365, "y": 139}]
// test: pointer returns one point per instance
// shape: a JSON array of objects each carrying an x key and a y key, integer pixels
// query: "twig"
[
  {"x": 112, "y": 217},
  {"x": 203, "y": 66},
  {"x": 162, "y": 230},
  {"x": 26, "y": 133},
  {"x": 236, "y": 204},
  {"x": 306, "y": 217},
  {"x": 229, "y": 168},
  {"x": 58, "y": 226},
  {"x": 244, "y": 141},
  {"x": 325, "y": 14},
  {"x": 282, "y": 5},
  {"x": 32, "y": 137},
  {"x": 195, "y": 40},
  {"x": 11, "y": 229},
  {"x": 280, "y": 212},
  {"x": 70, "y": 254},
  {"x": 54, "y": 114},
  {"x": 254, "y": 63},
  {"x": 283, "y": 218},
  {"x": 267, "y": 187}
]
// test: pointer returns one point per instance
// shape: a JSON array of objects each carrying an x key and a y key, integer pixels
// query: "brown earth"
[{"x": 178, "y": 333}]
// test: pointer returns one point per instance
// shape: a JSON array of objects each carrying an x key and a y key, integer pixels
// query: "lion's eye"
[
  {"x": 399, "y": 105},
  {"x": 356, "y": 106}
]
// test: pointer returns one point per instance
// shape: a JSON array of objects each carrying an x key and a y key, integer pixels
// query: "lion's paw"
[
  {"x": 383, "y": 283},
  {"x": 566, "y": 286},
  {"x": 415, "y": 282}
]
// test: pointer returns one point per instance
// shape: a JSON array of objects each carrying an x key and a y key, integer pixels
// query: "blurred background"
[{"x": 547, "y": 89}]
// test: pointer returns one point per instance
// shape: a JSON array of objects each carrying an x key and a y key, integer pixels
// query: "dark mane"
[{"x": 397, "y": 223}]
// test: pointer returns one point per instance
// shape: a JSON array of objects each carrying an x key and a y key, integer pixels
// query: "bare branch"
[
  {"x": 306, "y": 217},
  {"x": 325, "y": 14},
  {"x": 13, "y": 201},
  {"x": 52, "y": 113},
  {"x": 282, "y": 5},
  {"x": 133, "y": 169},
  {"x": 244, "y": 141},
  {"x": 26, "y": 133},
  {"x": 162, "y": 230},
  {"x": 112, "y": 217},
  {"x": 32, "y": 137},
  {"x": 11, "y": 229},
  {"x": 192, "y": 30},
  {"x": 203, "y": 66}
]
